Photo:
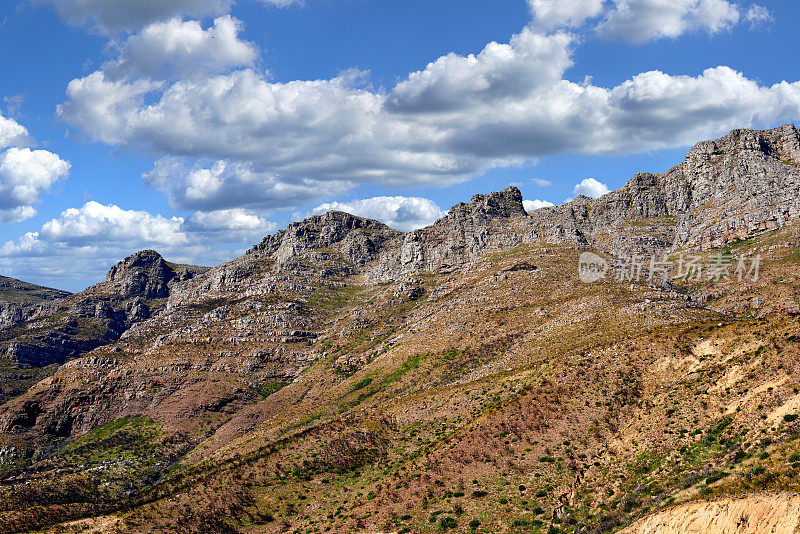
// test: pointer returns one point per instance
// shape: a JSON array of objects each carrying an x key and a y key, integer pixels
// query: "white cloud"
[
  {"x": 231, "y": 225},
  {"x": 757, "y": 15},
  {"x": 639, "y": 21},
  {"x": 452, "y": 121},
  {"x": 24, "y": 175},
  {"x": 18, "y": 214},
  {"x": 541, "y": 182},
  {"x": 229, "y": 184},
  {"x": 530, "y": 60},
  {"x": 550, "y": 14},
  {"x": 532, "y": 205},
  {"x": 98, "y": 225},
  {"x": 591, "y": 188},
  {"x": 177, "y": 49},
  {"x": 112, "y": 16},
  {"x": 109, "y": 16},
  {"x": 97, "y": 105},
  {"x": 85, "y": 241},
  {"x": 12, "y": 133},
  {"x": 401, "y": 213}
]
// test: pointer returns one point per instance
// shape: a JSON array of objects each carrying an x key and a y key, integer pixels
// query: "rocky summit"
[{"x": 342, "y": 376}]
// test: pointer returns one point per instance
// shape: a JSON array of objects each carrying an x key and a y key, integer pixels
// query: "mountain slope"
[
  {"x": 19, "y": 292},
  {"x": 343, "y": 376}
]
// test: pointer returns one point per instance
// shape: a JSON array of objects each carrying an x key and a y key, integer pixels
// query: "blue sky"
[{"x": 196, "y": 127}]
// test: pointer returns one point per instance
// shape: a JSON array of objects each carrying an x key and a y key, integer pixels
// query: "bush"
[
  {"x": 479, "y": 493},
  {"x": 448, "y": 522},
  {"x": 503, "y": 500},
  {"x": 474, "y": 524},
  {"x": 790, "y": 417},
  {"x": 717, "y": 475}
]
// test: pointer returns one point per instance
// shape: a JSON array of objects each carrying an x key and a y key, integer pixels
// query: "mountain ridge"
[{"x": 456, "y": 373}]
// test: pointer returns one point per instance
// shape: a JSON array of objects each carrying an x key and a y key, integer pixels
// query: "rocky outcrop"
[
  {"x": 60, "y": 330},
  {"x": 359, "y": 239},
  {"x": 19, "y": 300},
  {"x": 726, "y": 190},
  {"x": 778, "y": 513},
  {"x": 144, "y": 274},
  {"x": 492, "y": 221}
]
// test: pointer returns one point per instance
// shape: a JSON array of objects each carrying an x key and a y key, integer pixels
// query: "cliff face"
[
  {"x": 19, "y": 300},
  {"x": 725, "y": 190}
]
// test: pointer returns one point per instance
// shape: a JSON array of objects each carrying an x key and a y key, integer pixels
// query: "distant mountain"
[
  {"x": 37, "y": 333},
  {"x": 22, "y": 293},
  {"x": 343, "y": 376}
]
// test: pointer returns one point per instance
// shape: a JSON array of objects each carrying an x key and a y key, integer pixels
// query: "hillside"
[
  {"x": 19, "y": 292},
  {"x": 346, "y": 377}
]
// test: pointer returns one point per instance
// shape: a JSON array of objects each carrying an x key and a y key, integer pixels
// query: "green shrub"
[
  {"x": 447, "y": 522},
  {"x": 718, "y": 475},
  {"x": 474, "y": 524},
  {"x": 362, "y": 384}
]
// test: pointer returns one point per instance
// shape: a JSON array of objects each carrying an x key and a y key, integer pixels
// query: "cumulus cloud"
[
  {"x": 591, "y": 188},
  {"x": 228, "y": 184},
  {"x": 273, "y": 143},
  {"x": 541, "y": 182},
  {"x": 12, "y": 133},
  {"x": 639, "y": 21},
  {"x": 235, "y": 225},
  {"x": 112, "y": 16},
  {"x": 528, "y": 61},
  {"x": 109, "y": 16},
  {"x": 177, "y": 49},
  {"x": 532, "y": 205},
  {"x": 24, "y": 175},
  {"x": 98, "y": 225},
  {"x": 550, "y": 14},
  {"x": 18, "y": 214},
  {"x": 87, "y": 240},
  {"x": 401, "y": 213}
]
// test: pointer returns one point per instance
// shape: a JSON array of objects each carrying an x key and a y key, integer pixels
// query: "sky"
[{"x": 197, "y": 127}]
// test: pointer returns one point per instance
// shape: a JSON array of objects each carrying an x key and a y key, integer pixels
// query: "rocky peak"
[
  {"x": 499, "y": 204},
  {"x": 356, "y": 235},
  {"x": 728, "y": 189},
  {"x": 144, "y": 274}
]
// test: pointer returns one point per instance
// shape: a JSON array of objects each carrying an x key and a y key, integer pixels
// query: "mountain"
[
  {"x": 342, "y": 376},
  {"x": 53, "y": 327},
  {"x": 18, "y": 292},
  {"x": 18, "y": 298}
]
